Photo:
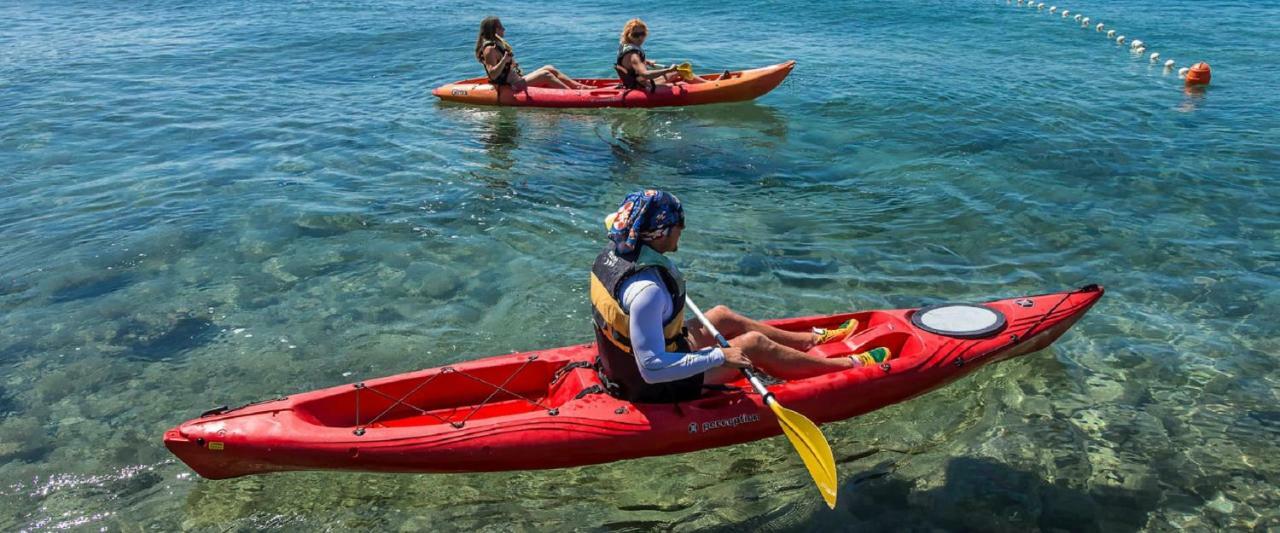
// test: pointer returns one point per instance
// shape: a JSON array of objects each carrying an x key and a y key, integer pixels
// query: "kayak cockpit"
[
  {"x": 595, "y": 83},
  {"x": 875, "y": 330},
  {"x": 525, "y": 384}
]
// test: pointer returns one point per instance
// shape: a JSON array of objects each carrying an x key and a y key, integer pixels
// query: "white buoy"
[
  {"x": 1137, "y": 43},
  {"x": 1111, "y": 34},
  {"x": 1065, "y": 12},
  {"x": 1155, "y": 56},
  {"x": 1182, "y": 72},
  {"x": 1168, "y": 64},
  {"x": 1084, "y": 23},
  {"x": 1053, "y": 9},
  {"x": 1040, "y": 5},
  {"x": 1120, "y": 40},
  {"x": 1099, "y": 28},
  {"x": 1140, "y": 51},
  {"x": 1077, "y": 18}
]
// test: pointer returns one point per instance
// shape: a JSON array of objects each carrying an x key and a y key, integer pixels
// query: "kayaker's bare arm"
[
  {"x": 495, "y": 59},
  {"x": 642, "y": 71}
]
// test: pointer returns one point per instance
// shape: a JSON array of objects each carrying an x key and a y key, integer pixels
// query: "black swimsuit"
[{"x": 503, "y": 76}]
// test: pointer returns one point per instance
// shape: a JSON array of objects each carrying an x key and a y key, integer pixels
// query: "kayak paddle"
[
  {"x": 803, "y": 434},
  {"x": 685, "y": 70}
]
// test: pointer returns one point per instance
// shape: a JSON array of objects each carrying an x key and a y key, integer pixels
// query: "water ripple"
[{"x": 209, "y": 204}]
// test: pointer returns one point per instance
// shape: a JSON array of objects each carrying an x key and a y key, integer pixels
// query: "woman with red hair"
[{"x": 632, "y": 65}]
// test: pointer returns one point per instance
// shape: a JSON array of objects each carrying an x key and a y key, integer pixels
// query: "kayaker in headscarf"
[
  {"x": 500, "y": 65},
  {"x": 645, "y": 345}
]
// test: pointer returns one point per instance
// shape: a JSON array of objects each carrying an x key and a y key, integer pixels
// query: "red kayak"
[
  {"x": 549, "y": 409},
  {"x": 733, "y": 87}
]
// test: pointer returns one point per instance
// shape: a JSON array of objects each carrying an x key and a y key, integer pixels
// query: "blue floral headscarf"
[{"x": 642, "y": 216}]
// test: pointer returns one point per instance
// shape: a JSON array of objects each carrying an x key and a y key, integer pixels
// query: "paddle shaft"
[
  {"x": 803, "y": 434},
  {"x": 751, "y": 375}
]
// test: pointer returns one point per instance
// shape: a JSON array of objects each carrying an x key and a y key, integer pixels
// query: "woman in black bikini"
[{"x": 500, "y": 63}]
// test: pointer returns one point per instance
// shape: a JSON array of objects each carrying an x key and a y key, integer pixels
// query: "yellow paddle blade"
[
  {"x": 813, "y": 448},
  {"x": 685, "y": 70}
]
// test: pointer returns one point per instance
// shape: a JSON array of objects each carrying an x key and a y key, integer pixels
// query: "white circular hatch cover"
[{"x": 959, "y": 320}]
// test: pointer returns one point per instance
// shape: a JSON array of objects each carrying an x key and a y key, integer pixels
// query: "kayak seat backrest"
[
  {"x": 469, "y": 391},
  {"x": 577, "y": 381}
]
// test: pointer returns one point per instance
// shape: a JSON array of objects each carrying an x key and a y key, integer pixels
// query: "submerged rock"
[
  {"x": 329, "y": 224},
  {"x": 753, "y": 264},
  {"x": 159, "y": 341},
  {"x": 8, "y": 403},
  {"x": 90, "y": 287},
  {"x": 22, "y": 438},
  {"x": 432, "y": 281}
]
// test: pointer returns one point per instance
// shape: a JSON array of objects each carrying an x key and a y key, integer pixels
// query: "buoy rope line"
[{"x": 1197, "y": 74}]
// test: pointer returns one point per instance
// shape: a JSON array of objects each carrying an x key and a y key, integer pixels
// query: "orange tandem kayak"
[{"x": 733, "y": 87}]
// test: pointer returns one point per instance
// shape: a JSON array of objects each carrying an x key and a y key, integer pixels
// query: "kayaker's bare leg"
[
  {"x": 731, "y": 325},
  {"x": 777, "y": 360},
  {"x": 570, "y": 82},
  {"x": 671, "y": 78},
  {"x": 544, "y": 78},
  {"x": 553, "y": 77}
]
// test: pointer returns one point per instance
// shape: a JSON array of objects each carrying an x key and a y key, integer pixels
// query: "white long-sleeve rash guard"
[{"x": 646, "y": 300}]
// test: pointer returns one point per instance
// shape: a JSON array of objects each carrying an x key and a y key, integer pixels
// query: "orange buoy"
[{"x": 1199, "y": 74}]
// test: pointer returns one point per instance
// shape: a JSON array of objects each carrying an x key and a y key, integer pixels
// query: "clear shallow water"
[{"x": 216, "y": 204}]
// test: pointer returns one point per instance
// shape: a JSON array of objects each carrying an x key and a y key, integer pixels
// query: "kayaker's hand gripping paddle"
[{"x": 803, "y": 434}]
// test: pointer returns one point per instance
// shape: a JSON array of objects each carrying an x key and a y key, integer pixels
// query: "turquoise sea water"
[{"x": 209, "y": 203}]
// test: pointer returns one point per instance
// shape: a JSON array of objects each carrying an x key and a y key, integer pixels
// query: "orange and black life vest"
[{"x": 613, "y": 325}]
